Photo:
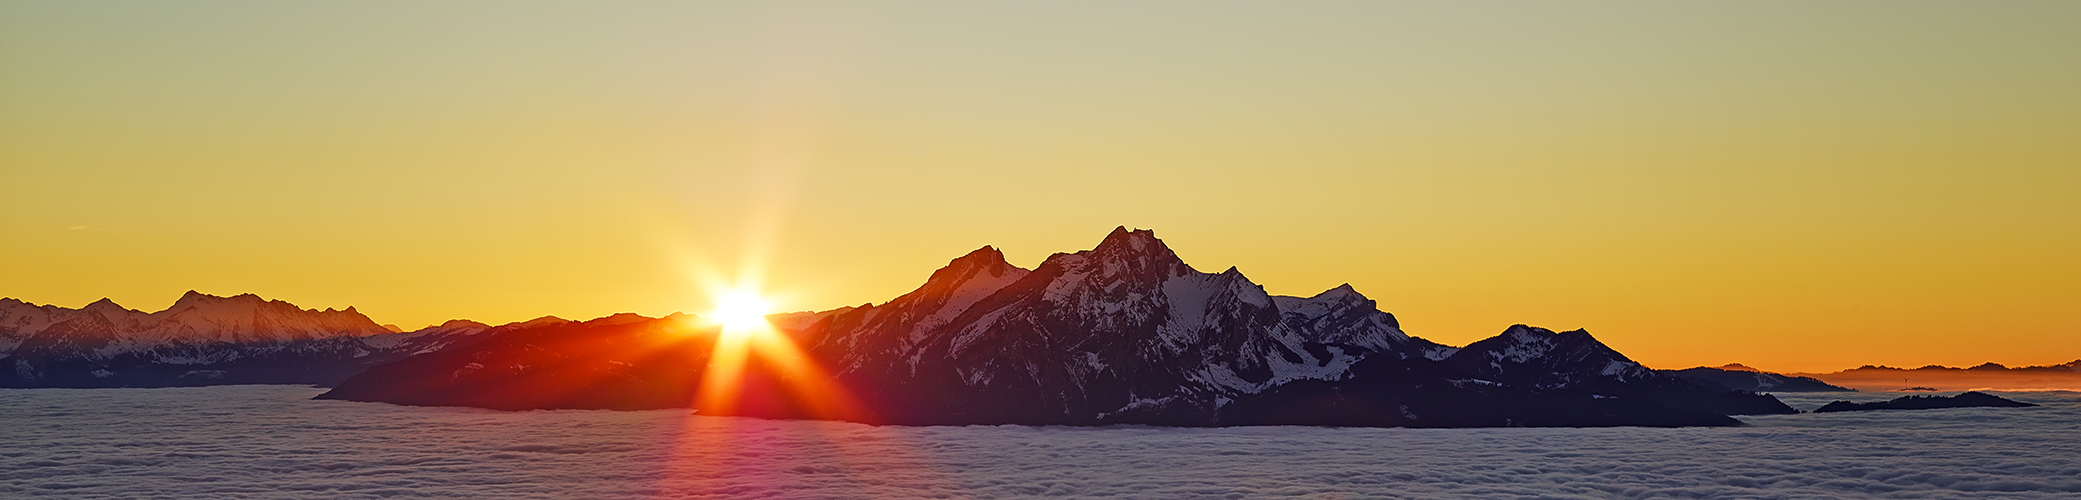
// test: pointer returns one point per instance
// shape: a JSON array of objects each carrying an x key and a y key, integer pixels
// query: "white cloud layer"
[{"x": 272, "y": 442}]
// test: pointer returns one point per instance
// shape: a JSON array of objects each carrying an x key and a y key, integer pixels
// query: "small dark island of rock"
[{"x": 1970, "y": 399}]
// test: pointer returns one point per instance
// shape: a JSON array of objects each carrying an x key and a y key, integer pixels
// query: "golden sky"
[{"x": 1790, "y": 185}]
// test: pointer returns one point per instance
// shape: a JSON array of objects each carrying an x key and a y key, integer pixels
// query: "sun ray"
[{"x": 746, "y": 342}]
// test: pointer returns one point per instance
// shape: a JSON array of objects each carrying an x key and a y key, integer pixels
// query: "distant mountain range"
[
  {"x": 2063, "y": 368},
  {"x": 1125, "y": 333},
  {"x": 1987, "y": 376},
  {"x": 201, "y": 340}
]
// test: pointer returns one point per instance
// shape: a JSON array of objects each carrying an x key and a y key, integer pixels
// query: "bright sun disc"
[{"x": 741, "y": 310}]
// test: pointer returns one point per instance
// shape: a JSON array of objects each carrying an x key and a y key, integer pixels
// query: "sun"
[
  {"x": 745, "y": 336},
  {"x": 741, "y": 310}
]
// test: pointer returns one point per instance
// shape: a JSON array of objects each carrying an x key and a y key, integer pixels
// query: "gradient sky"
[{"x": 1790, "y": 185}]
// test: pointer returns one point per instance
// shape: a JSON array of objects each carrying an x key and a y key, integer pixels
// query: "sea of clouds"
[{"x": 274, "y": 442}]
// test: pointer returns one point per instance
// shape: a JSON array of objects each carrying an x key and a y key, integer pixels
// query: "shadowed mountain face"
[
  {"x": 620, "y": 362},
  {"x": 1527, "y": 376},
  {"x": 1971, "y": 399},
  {"x": 1986, "y": 376},
  {"x": 1123, "y": 333},
  {"x": 1738, "y": 377},
  {"x": 200, "y": 340}
]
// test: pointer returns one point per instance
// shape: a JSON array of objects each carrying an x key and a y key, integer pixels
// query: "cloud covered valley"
[{"x": 273, "y": 442}]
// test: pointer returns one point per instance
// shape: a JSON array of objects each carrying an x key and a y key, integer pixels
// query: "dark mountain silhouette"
[
  {"x": 1125, "y": 333},
  {"x": 1527, "y": 376},
  {"x": 1969, "y": 399},
  {"x": 620, "y": 362},
  {"x": 200, "y": 340},
  {"x": 1738, "y": 377}
]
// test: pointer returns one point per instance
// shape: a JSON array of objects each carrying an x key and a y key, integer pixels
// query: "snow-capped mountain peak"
[
  {"x": 1124, "y": 326},
  {"x": 108, "y": 309},
  {"x": 1343, "y": 296},
  {"x": 1123, "y": 253},
  {"x": 967, "y": 279}
]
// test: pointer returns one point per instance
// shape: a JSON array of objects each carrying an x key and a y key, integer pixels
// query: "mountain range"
[
  {"x": 1124, "y": 333},
  {"x": 200, "y": 340},
  {"x": 1986, "y": 376}
]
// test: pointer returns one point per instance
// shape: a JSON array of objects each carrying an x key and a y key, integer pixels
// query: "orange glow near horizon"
[{"x": 1842, "y": 192}]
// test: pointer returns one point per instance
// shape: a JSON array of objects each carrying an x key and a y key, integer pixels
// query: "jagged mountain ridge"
[
  {"x": 200, "y": 340},
  {"x": 1123, "y": 333},
  {"x": 1124, "y": 328}
]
